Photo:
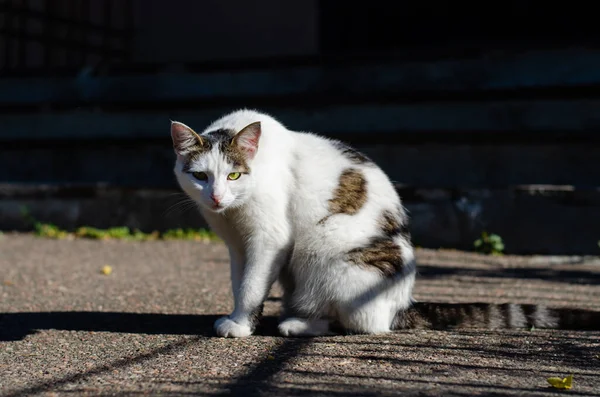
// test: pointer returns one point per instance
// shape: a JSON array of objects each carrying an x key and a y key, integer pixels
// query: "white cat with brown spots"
[
  {"x": 309, "y": 211},
  {"x": 326, "y": 222}
]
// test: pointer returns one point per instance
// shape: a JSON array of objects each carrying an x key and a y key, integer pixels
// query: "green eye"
[
  {"x": 234, "y": 175},
  {"x": 201, "y": 176}
]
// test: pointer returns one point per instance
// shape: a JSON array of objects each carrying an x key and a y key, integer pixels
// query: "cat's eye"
[
  {"x": 201, "y": 176},
  {"x": 234, "y": 175}
]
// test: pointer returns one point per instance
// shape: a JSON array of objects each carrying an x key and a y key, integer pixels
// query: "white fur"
[
  {"x": 228, "y": 328},
  {"x": 270, "y": 217},
  {"x": 304, "y": 327}
]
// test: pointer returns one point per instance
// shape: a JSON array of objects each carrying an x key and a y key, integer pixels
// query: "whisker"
[{"x": 184, "y": 205}]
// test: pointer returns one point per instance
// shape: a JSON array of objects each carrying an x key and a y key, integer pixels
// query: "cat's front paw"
[{"x": 228, "y": 328}]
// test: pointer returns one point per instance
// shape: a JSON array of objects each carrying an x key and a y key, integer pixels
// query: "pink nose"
[{"x": 215, "y": 199}]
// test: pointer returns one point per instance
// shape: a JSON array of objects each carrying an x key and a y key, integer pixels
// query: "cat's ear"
[
  {"x": 247, "y": 139},
  {"x": 184, "y": 138}
]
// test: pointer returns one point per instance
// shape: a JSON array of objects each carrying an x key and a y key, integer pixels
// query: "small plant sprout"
[{"x": 490, "y": 244}]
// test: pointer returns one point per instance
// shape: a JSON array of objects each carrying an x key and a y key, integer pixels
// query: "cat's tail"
[{"x": 432, "y": 315}]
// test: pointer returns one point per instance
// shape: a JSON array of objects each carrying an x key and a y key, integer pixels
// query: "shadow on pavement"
[
  {"x": 16, "y": 326},
  {"x": 261, "y": 378},
  {"x": 549, "y": 274},
  {"x": 45, "y": 386}
]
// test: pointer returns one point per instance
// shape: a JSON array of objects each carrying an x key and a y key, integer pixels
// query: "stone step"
[
  {"x": 148, "y": 163},
  {"x": 531, "y": 219},
  {"x": 316, "y": 78}
]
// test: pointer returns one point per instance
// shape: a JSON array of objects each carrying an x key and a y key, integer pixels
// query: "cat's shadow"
[{"x": 16, "y": 326}]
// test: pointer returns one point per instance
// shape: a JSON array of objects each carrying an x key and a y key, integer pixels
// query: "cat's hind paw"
[
  {"x": 228, "y": 328},
  {"x": 294, "y": 326}
]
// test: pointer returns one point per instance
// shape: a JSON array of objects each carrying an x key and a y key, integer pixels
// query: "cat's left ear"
[{"x": 247, "y": 139}]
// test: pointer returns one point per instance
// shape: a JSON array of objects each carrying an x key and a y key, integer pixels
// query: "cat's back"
[
  {"x": 340, "y": 193},
  {"x": 324, "y": 165}
]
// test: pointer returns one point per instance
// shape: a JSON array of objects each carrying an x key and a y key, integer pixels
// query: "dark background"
[{"x": 486, "y": 115}]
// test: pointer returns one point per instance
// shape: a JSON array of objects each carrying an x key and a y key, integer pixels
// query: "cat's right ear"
[{"x": 184, "y": 138}]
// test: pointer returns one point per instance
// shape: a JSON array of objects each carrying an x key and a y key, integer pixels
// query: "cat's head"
[{"x": 214, "y": 168}]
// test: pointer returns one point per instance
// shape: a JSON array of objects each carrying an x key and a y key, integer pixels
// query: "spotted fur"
[
  {"x": 224, "y": 140},
  {"x": 395, "y": 224},
  {"x": 381, "y": 254},
  {"x": 350, "y": 194}
]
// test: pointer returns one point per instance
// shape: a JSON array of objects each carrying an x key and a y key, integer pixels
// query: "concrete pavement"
[{"x": 146, "y": 329}]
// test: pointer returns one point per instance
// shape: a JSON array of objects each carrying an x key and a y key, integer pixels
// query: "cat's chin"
[{"x": 215, "y": 209}]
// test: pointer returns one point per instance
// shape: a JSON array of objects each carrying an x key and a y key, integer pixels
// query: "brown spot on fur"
[
  {"x": 351, "y": 154},
  {"x": 236, "y": 157},
  {"x": 350, "y": 194},
  {"x": 223, "y": 139},
  {"x": 394, "y": 225},
  {"x": 382, "y": 254},
  {"x": 390, "y": 224},
  {"x": 194, "y": 153},
  {"x": 239, "y": 148}
]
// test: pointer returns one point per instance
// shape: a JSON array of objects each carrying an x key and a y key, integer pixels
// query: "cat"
[{"x": 326, "y": 222}]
